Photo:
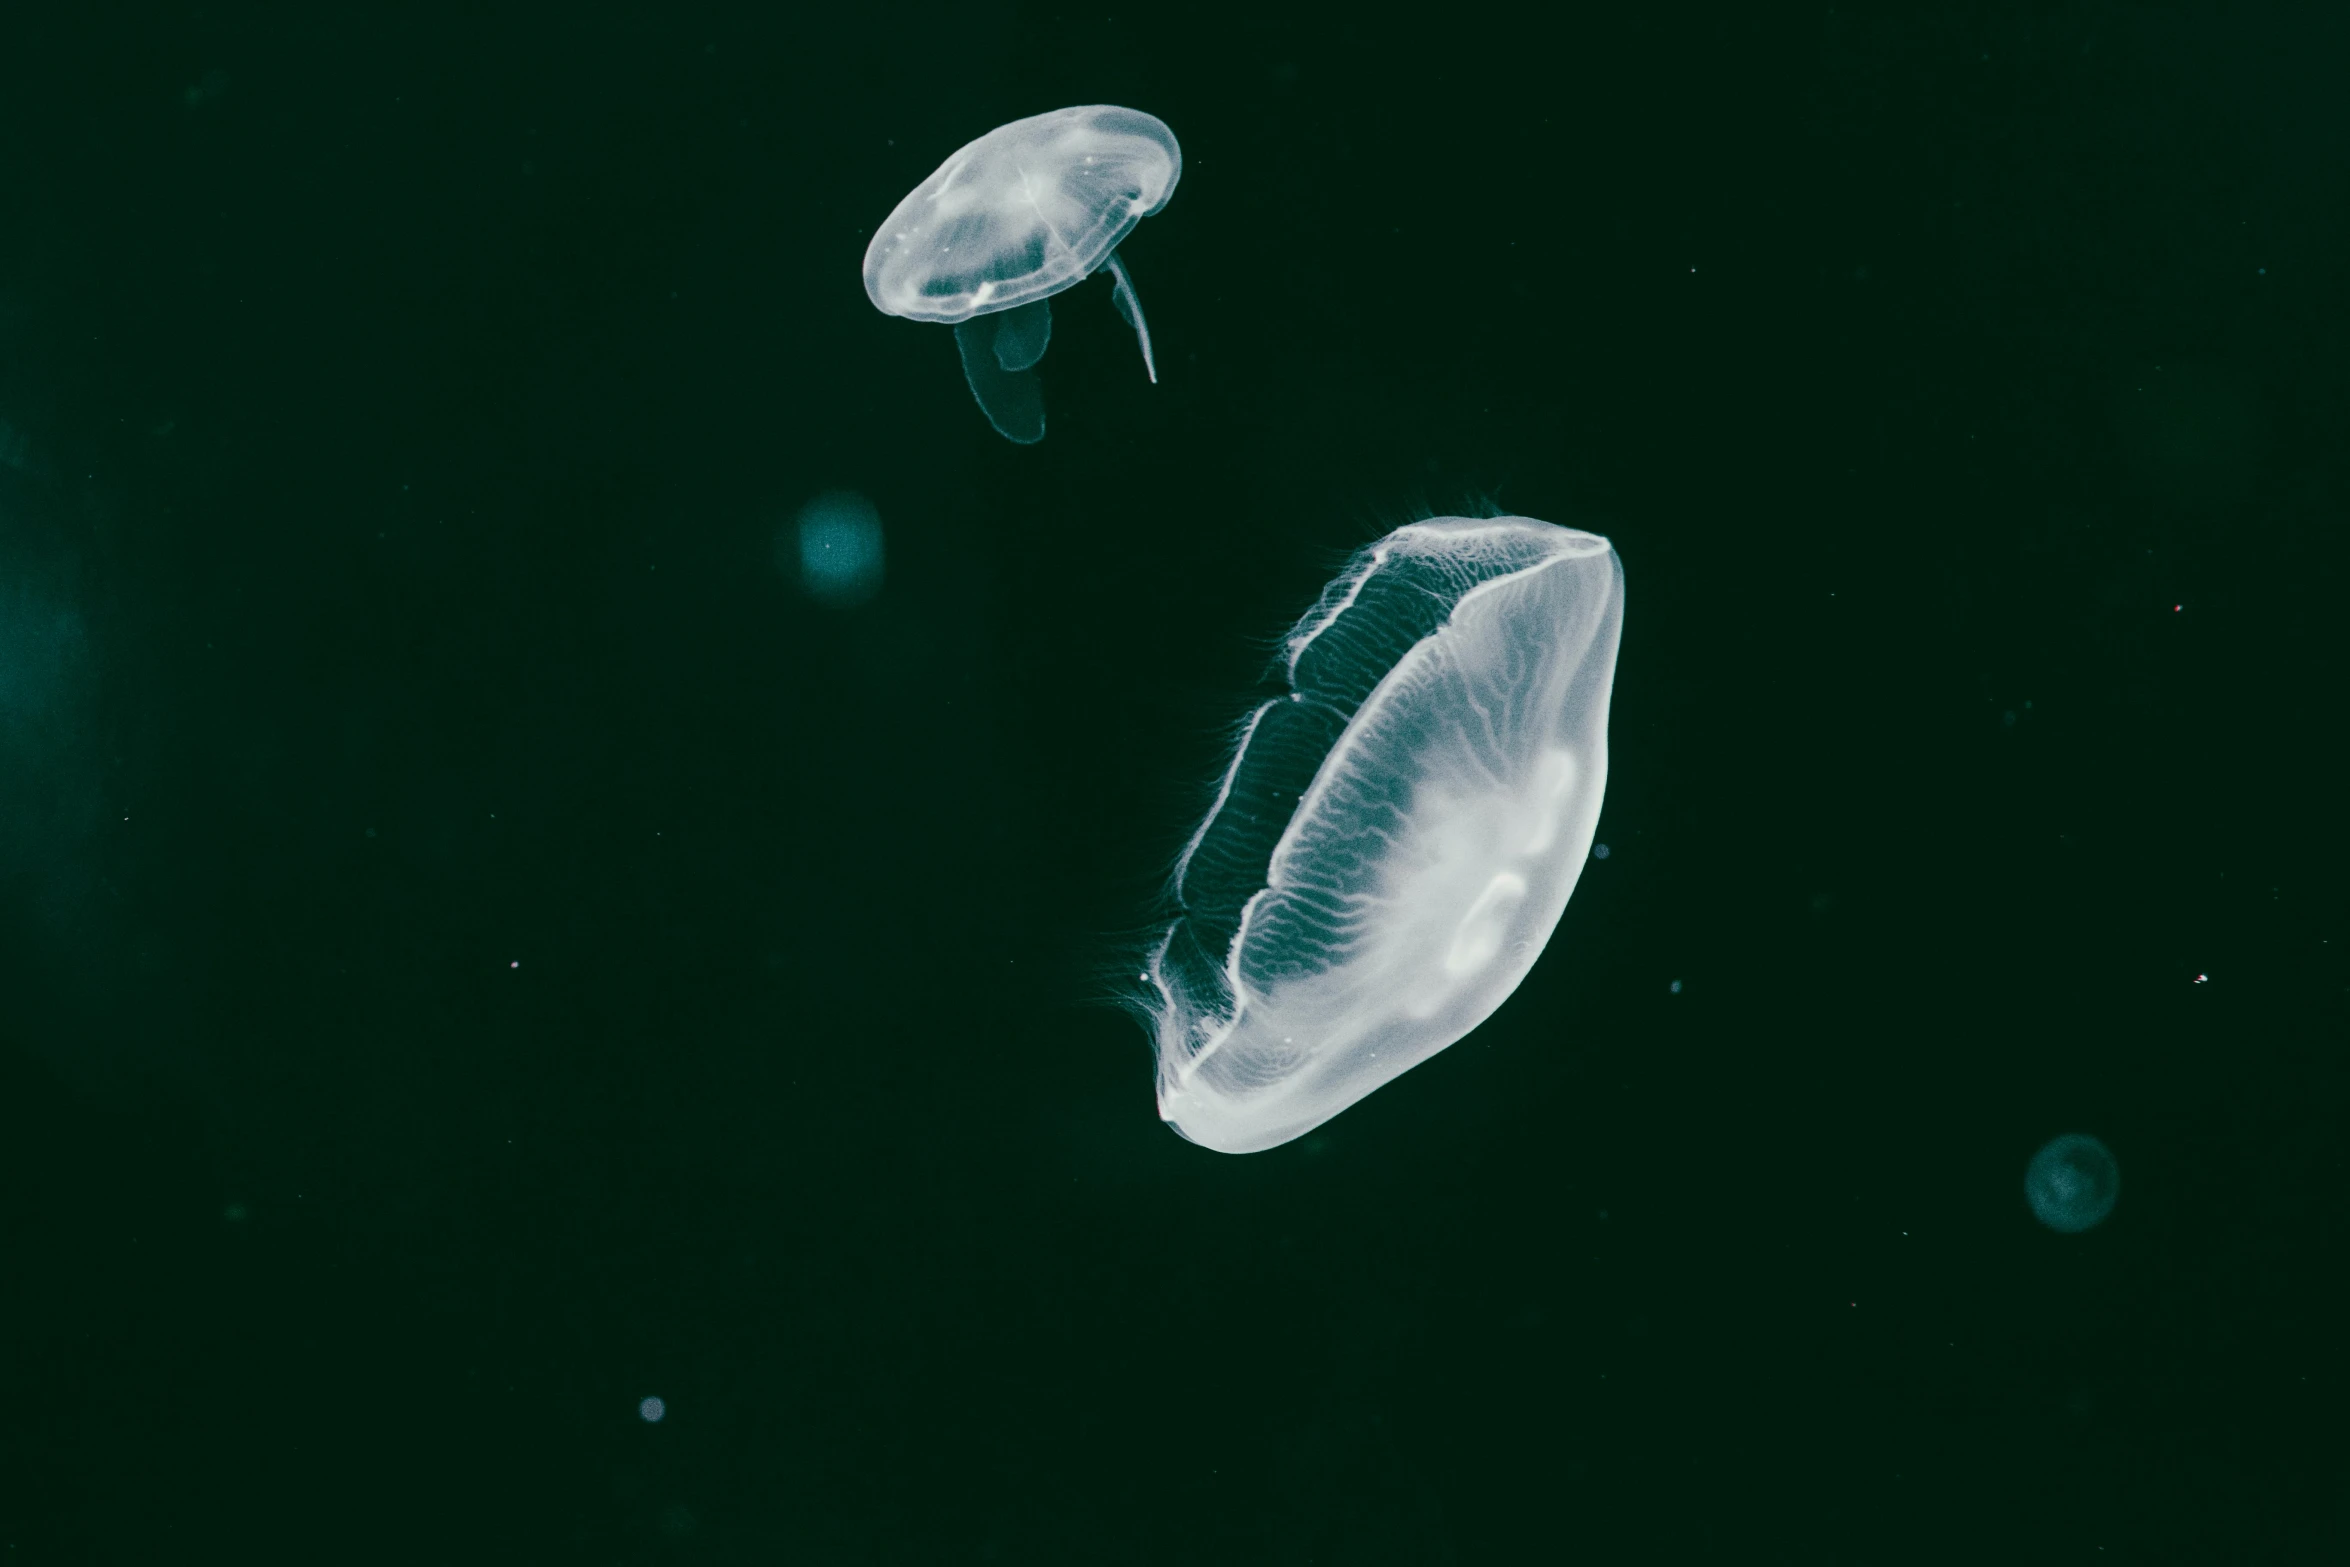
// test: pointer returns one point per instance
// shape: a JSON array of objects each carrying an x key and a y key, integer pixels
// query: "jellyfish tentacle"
[{"x": 1130, "y": 306}]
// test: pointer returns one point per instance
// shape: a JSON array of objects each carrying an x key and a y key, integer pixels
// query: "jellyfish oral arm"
[
  {"x": 1131, "y": 308},
  {"x": 1022, "y": 334},
  {"x": 1013, "y": 400}
]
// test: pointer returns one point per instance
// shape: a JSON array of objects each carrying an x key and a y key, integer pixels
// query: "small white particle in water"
[
  {"x": 1599, "y": 851},
  {"x": 1676, "y": 987},
  {"x": 651, "y": 1411}
]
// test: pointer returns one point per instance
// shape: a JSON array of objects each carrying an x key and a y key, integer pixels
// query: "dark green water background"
[{"x": 479, "y": 947}]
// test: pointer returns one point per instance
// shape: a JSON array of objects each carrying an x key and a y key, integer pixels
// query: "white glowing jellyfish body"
[
  {"x": 1026, "y": 211},
  {"x": 1397, "y": 836},
  {"x": 1022, "y": 213}
]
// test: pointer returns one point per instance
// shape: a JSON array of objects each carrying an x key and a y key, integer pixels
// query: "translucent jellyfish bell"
[
  {"x": 1029, "y": 209},
  {"x": 1396, "y": 837}
]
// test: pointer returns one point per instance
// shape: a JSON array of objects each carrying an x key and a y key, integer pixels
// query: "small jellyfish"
[
  {"x": 1029, "y": 209},
  {"x": 836, "y": 548},
  {"x": 2072, "y": 1183},
  {"x": 1397, "y": 834}
]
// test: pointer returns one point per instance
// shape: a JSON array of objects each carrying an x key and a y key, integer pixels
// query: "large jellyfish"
[
  {"x": 1029, "y": 209},
  {"x": 1397, "y": 834},
  {"x": 2073, "y": 1183}
]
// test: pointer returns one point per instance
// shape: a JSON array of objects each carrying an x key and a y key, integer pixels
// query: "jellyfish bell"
[
  {"x": 1397, "y": 835},
  {"x": 1025, "y": 212}
]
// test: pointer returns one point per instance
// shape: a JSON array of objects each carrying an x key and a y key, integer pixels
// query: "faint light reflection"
[{"x": 839, "y": 548}]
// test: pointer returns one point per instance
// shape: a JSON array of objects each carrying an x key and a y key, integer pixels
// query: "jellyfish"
[
  {"x": 1028, "y": 210},
  {"x": 2072, "y": 1183},
  {"x": 1397, "y": 832}
]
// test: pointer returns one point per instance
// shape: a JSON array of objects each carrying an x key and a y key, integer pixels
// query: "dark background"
[{"x": 479, "y": 946}]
